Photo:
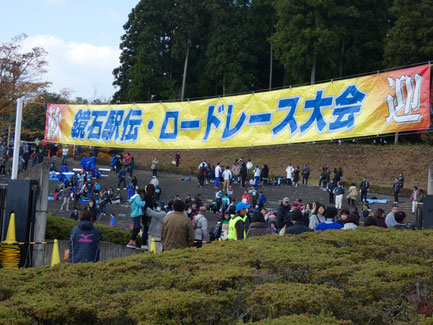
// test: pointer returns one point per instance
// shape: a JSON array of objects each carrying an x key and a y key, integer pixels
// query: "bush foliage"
[
  {"x": 375, "y": 276},
  {"x": 60, "y": 228}
]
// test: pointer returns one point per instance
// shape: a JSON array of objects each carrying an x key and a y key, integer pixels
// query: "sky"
[{"x": 81, "y": 37}]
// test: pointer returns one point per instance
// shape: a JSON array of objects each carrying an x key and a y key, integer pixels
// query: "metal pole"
[{"x": 18, "y": 118}]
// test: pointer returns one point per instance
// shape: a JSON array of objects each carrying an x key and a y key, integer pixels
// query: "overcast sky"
[{"x": 81, "y": 37}]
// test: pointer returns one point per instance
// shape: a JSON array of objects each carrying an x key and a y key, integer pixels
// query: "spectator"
[
  {"x": 351, "y": 222},
  {"x": 396, "y": 189},
  {"x": 344, "y": 214},
  {"x": 305, "y": 174},
  {"x": 317, "y": 216},
  {"x": 199, "y": 223},
  {"x": 380, "y": 217},
  {"x": 289, "y": 174},
  {"x": 400, "y": 220},
  {"x": 112, "y": 220},
  {"x": 177, "y": 159},
  {"x": 365, "y": 187},
  {"x": 258, "y": 226},
  {"x": 296, "y": 176},
  {"x": 74, "y": 215},
  {"x": 67, "y": 198},
  {"x": 65, "y": 151},
  {"x": 371, "y": 221},
  {"x": 256, "y": 177},
  {"x": 264, "y": 174},
  {"x": 154, "y": 166},
  {"x": 243, "y": 175},
  {"x": 237, "y": 227},
  {"x": 283, "y": 213},
  {"x": 154, "y": 181},
  {"x": 390, "y": 219},
  {"x": 245, "y": 197},
  {"x": 262, "y": 200},
  {"x": 131, "y": 166},
  {"x": 176, "y": 228},
  {"x": 93, "y": 209},
  {"x": 298, "y": 227},
  {"x": 329, "y": 222},
  {"x": 137, "y": 205},
  {"x": 401, "y": 180},
  {"x": 339, "y": 192},
  {"x": 330, "y": 188},
  {"x": 353, "y": 195},
  {"x": 414, "y": 199},
  {"x": 122, "y": 179},
  {"x": 84, "y": 241},
  {"x": 249, "y": 166},
  {"x": 154, "y": 233},
  {"x": 218, "y": 173},
  {"x": 227, "y": 176}
]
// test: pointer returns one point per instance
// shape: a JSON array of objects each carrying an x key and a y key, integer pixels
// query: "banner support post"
[{"x": 17, "y": 138}]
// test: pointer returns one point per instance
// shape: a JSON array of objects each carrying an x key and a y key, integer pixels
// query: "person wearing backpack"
[{"x": 199, "y": 224}]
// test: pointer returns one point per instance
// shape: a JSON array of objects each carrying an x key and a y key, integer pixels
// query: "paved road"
[{"x": 171, "y": 186}]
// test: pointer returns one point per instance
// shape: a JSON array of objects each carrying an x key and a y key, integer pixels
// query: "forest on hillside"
[{"x": 181, "y": 49}]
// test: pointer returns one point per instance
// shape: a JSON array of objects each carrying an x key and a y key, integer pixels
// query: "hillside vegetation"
[
  {"x": 374, "y": 276},
  {"x": 381, "y": 164}
]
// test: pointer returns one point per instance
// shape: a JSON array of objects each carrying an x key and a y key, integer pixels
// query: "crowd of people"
[{"x": 183, "y": 222}]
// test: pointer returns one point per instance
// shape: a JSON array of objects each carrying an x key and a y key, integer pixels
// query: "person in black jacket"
[
  {"x": 264, "y": 174},
  {"x": 365, "y": 186},
  {"x": 84, "y": 241},
  {"x": 243, "y": 175},
  {"x": 283, "y": 213},
  {"x": 298, "y": 227},
  {"x": 330, "y": 189},
  {"x": 396, "y": 188}
]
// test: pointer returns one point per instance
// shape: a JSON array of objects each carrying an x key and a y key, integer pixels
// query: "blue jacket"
[
  {"x": 64, "y": 169},
  {"x": 84, "y": 243},
  {"x": 93, "y": 162},
  {"x": 339, "y": 190},
  {"x": 137, "y": 205}
]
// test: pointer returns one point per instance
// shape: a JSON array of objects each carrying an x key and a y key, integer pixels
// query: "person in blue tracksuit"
[{"x": 84, "y": 241}]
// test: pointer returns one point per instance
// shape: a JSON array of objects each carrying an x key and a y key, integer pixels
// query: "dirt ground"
[{"x": 381, "y": 164}]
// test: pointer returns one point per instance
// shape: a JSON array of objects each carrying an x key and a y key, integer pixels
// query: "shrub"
[
  {"x": 368, "y": 276},
  {"x": 60, "y": 228}
]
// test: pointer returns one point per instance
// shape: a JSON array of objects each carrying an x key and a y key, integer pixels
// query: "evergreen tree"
[{"x": 410, "y": 40}]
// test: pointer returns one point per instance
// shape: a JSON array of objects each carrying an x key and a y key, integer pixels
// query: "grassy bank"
[
  {"x": 381, "y": 164},
  {"x": 337, "y": 277}
]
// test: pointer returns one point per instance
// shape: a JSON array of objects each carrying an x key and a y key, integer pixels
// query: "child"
[
  {"x": 262, "y": 200},
  {"x": 157, "y": 193},
  {"x": 225, "y": 202},
  {"x": 131, "y": 191},
  {"x": 225, "y": 226},
  {"x": 112, "y": 220},
  {"x": 273, "y": 226}
]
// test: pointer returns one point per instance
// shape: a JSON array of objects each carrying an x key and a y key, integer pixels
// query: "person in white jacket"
[
  {"x": 351, "y": 222},
  {"x": 289, "y": 174}
]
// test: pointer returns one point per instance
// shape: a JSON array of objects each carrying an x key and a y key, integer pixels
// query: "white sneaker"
[{"x": 145, "y": 247}]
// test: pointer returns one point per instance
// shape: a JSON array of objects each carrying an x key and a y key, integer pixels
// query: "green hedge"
[
  {"x": 60, "y": 228},
  {"x": 368, "y": 276}
]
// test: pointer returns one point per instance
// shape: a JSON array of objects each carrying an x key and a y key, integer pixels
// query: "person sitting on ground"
[
  {"x": 298, "y": 227},
  {"x": 400, "y": 219},
  {"x": 64, "y": 169},
  {"x": 84, "y": 241},
  {"x": 74, "y": 215},
  {"x": 380, "y": 216},
  {"x": 53, "y": 167},
  {"x": 283, "y": 213},
  {"x": 390, "y": 220},
  {"x": 344, "y": 213},
  {"x": 176, "y": 228},
  {"x": 329, "y": 222},
  {"x": 351, "y": 222},
  {"x": 258, "y": 226},
  {"x": 199, "y": 223},
  {"x": 371, "y": 221},
  {"x": 317, "y": 216}
]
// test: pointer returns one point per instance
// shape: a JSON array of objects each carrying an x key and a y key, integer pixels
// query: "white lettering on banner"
[
  {"x": 410, "y": 103},
  {"x": 54, "y": 119}
]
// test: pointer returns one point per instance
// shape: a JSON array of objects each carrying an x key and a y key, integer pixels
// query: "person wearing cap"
[
  {"x": 298, "y": 227},
  {"x": 329, "y": 222},
  {"x": 237, "y": 229},
  {"x": 283, "y": 213}
]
